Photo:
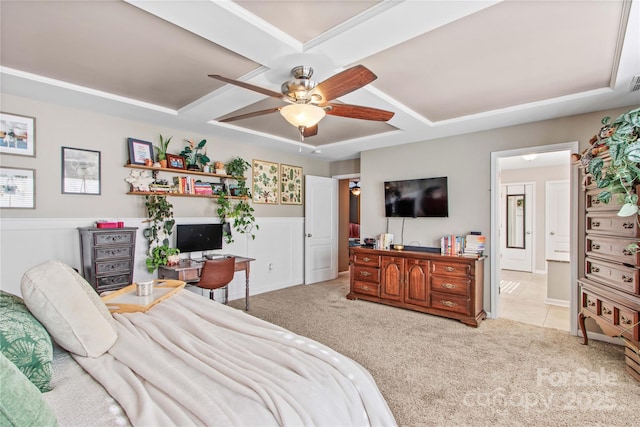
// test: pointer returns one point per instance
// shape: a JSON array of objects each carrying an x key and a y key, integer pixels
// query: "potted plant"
[
  {"x": 160, "y": 217},
  {"x": 239, "y": 211},
  {"x": 193, "y": 155},
  {"x": 161, "y": 150},
  {"x": 162, "y": 255}
]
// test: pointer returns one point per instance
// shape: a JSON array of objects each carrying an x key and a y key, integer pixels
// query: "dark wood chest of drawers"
[
  {"x": 610, "y": 290},
  {"x": 107, "y": 256},
  {"x": 447, "y": 286}
]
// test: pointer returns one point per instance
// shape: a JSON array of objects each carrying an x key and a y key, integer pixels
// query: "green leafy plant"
[
  {"x": 237, "y": 212},
  {"x": 193, "y": 154},
  {"x": 161, "y": 150},
  {"x": 620, "y": 139},
  {"x": 159, "y": 256},
  {"x": 160, "y": 218}
]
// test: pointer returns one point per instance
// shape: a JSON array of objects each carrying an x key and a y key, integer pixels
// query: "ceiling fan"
[{"x": 308, "y": 101}]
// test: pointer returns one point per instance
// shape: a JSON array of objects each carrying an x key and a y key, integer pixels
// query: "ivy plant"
[
  {"x": 237, "y": 212},
  {"x": 160, "y": 219},
  {"x": 159, "y": 255}
]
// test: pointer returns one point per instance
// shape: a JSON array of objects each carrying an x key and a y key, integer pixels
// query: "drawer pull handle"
[
  {"x": 595, "y": 201},
  {"x": 624, "y": 320},
  {"x": 628, "y": 225},
  {"x": 365, "y": 273},
  {"x": 448, "y": 285},
  {"x": 595, "y": 223},
  {"x": 449, "y": 268},
  {"x": 595, "y": 246},
  {"x": 627, "y": 252},
  {"x": 606, "y": 310},
  {"x": 364, "y": 288},
  {"x": 627, "y": 279},
  {"x": 449, "y": 303},
  {"x": 366, "y": 259},
  {"x": 591, "y": 303},
  {"x": 594, "y": 269}
]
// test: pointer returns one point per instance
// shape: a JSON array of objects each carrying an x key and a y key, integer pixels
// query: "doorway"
[
  {"x": 529, "y": 288},
  {"x": 348, "y": 218}
]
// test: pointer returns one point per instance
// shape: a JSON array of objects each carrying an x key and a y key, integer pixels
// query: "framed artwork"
[
  {"x": 139, "y": 151},
  {"x": 17, "y": 188},
  {"x": 290, "y": 185},
  {"x": 80, "y": 171},
  {"x": 17, "y": 135},
  {"x": 175, "y": 162},
  {"x": 265, "y": 182}
]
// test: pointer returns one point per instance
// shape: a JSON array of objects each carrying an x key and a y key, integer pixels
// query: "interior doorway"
[
  {"x": 348, "y": 218},
  {"x": 514, "y": 290}
]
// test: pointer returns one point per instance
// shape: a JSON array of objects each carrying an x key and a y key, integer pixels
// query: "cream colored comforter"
[{"x": 190, "y": 361}]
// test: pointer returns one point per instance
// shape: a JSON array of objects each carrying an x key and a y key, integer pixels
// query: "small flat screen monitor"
[
  {"x": 198, "y": 237},
  {"x": 414, "y": 198}
]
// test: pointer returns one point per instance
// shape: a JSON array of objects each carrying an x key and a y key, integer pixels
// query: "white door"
[
  {"x": 557, "y": 220},
  {"x": 321, "y": 229},
  {"x": 516, "y": 226}
]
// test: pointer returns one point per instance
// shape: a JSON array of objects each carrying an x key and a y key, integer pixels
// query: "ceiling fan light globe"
[{"x": 302, "y": 115}]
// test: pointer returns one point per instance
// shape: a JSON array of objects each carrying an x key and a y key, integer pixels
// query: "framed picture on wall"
[
  {"x": 290, "y": 185},
  {"x": 17, "y": 135},
  {"x": 17, "y": 188},
  {"x": 265, "y": 182},
  {"x": 139, "y": 151},
  {"x": 175, "y": 162},
  {"x": 80, "y": 171}
]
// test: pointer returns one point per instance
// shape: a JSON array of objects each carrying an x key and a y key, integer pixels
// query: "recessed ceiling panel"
[
  {"x": 512, "y": 53},
  {"x": 305, "y": 20},
  {"x": 114, "y": 47}
]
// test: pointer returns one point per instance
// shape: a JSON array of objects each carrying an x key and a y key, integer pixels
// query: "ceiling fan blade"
[
  {"x": 249, "y": 86},
  {"x": 344, "y": 82},
  {"x": 310, "y": 131},
  {"x": 249, "y": 115},
  {"x": 359, "y": 112}
]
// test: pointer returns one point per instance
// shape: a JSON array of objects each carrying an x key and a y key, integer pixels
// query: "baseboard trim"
[{"x": 558, "y": 302}]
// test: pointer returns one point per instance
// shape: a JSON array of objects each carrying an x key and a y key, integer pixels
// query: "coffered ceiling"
[{"x": 443, "y": 67}]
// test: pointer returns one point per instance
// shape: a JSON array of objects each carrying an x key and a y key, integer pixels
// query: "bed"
[{"x": 188, "y": 361}]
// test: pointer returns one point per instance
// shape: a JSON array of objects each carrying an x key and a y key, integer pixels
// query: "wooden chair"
[{"x": 216, "y": 274}]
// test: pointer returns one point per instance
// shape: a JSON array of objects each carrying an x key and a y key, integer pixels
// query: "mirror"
[{"x": 515, "y": 221}]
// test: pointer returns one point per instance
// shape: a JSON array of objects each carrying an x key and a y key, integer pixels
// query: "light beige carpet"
[{"x": 435, "y": 371}]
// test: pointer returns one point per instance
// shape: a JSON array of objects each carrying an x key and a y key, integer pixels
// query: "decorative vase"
[{"x": 163, "y": 163}]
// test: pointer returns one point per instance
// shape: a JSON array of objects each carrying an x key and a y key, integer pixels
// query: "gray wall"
[
  {"x": 58, "y": 126},
  {"x": 466, "y": 160}
]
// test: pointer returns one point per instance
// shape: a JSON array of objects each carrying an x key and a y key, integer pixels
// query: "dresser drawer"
[
  {"x": 612, "y": 249},
  {"x": 112, "y": 282},
  {"x": 449, "y": 302},
  {"x": 616, "y": 275},
  {"x": 366, "y": 288},
  {"x": 106, "y": 252},
  {"x": 611, "y": 224},
  {"x": 113, "y": 266},
  {"x": 612, "y": 313},
  {"x": 592, "y": 203},
  {"x": 450, "y": 268},
  {"x": 114, "y": 238},
  {"x": 451, "y": 285},
  {"x": 366, "y": 260},
  {"x": 366, "y": 274}
]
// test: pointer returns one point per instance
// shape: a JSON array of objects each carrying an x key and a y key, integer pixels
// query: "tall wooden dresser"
[
  {"x": 610, "y": 290},
  {"x": 107, "y": 256}
]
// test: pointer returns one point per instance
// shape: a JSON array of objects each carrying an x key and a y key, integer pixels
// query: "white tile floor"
[{"x": 522, "y": 299}]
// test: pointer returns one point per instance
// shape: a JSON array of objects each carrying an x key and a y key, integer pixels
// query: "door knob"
[
  {"x": 309, "y": 235},
  {"x": 552, "y": 233}
]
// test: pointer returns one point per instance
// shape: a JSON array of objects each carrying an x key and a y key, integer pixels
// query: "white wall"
[
  {"x": 277, "y": 249},
  {"x": 466, "y": 160}
]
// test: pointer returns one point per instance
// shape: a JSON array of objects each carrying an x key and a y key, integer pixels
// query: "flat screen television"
[
  {"x": 198, "y": 237},
  {"x": 416, "y": 198}
]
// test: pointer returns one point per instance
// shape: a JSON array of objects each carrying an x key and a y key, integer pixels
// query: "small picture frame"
[
  {"x": 290, "y": 185},
  {"x": 139, "y": 151},
  {"x": 218, "y": 188},
  {"x": 80, "y": 171},
  {"x": 175, "y": 162},
  {"x": 17, "y": 135},
  {"x": 17, "y": 188}
]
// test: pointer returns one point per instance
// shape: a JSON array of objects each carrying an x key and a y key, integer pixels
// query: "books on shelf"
[{"x": 471, "y": 245}]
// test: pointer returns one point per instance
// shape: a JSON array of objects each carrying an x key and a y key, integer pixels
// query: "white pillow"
[{"x": 69, "y": 308}]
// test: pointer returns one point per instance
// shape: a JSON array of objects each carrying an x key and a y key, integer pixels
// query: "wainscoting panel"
[{"x": 277, "y": 248}]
